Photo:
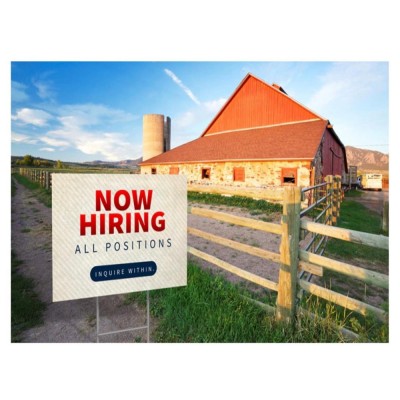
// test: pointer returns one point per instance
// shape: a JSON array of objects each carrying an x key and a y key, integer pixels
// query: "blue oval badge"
[{"x": 101, "y": 273}]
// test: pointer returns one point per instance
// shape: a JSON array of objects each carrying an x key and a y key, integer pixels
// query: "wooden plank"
[
  {"x": 268, "y": 309},
  {"x": 311, "y": 268},
  {"x": 329, "y": 194},
  {"x": 335, "y": 201},
  {"x": 362, "y": 274},
  {"x": 235, "y": 270},
  {"x": 265, "y": 254},
  {"x": 232, "y": 219},
  {"x": 339, "y": 194},
  {"x": 348, "y": 235},
  {"x": 289, "y": 249},
  {"x": 341, "y": 300}
]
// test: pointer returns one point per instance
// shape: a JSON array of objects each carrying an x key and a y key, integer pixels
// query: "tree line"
[{"x": 30, "y": 161}]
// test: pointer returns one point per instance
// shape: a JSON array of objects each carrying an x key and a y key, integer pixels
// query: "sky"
[{"x": 84, "y": 111}]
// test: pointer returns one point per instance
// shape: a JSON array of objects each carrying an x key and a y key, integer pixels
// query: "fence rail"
[
  {"x": 255, "y": 251},
  {"x": 266, "y": 283},
  {"x": 348, "y": 235},
  {"x": 233, "y": 219}
]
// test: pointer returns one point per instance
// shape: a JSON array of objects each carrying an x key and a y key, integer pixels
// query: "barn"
[{"x": 261, "y": 138}]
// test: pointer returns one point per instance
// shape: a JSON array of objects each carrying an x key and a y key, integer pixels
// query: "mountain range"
[
  {"x": 367, "y": 160},
  {"x": 121, "y": 164}
]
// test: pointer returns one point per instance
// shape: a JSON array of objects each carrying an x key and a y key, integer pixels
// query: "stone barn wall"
[{"x": 237, "y": 174}]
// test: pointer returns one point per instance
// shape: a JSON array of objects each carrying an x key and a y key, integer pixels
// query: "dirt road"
[{"x": 66, "y": 321}]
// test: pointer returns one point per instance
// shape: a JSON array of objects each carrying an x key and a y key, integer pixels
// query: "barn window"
[
  {"x": 289, "y": 176},
  {"x": 205, "y": 173},
  {"x": 154, "y": 171},
  {"x": 174, "y": 170},
  {"x": 238, "y": 174}
]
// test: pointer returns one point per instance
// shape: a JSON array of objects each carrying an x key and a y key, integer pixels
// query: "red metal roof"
[
  {"x": 255, "y": 103},
  {"x": 296, "y": 141}
]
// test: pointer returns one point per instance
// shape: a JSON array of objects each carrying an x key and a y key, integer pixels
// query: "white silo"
[{"x": 156, "y": 135}]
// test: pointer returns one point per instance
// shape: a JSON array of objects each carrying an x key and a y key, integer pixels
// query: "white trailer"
[{"x": 371, "y": 181}]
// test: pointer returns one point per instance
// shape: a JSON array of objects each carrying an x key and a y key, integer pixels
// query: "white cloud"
[
  {"x": 110, "y": 146},
  {"x": 32, "y": 117},
  {"x": 214, "y": 106},
  {"x": 346, "y": 82},
  {"x": 54, "y": 142},
  {"x": 93, "y": 114},
  {"x": 44, "y": 89},
  {"x": 18, "y": 92},
  {"x": 21, "y": 138},
  {"x": 184, "y": 120},
  {"x": 188, "y": 92},
  {"x": 85, "y": 127},
  {"x": 200, "y": 115}
]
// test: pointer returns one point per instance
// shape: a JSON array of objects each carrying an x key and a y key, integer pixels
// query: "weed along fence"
[{"x": 304, "y": 229}]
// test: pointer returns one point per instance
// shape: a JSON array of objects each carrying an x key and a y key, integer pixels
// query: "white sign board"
[{"x": 115, "y": 233}]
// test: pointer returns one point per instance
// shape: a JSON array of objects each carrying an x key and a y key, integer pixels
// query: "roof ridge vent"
[{"x": 280, "y": 88}]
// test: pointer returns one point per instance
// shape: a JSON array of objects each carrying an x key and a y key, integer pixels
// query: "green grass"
[
  {"x": 256, "y": 206},
  {"x": 368, "y": 328},
  {"x": 356, "y": 216},
  {"x": 354, "y": 193},
  {"x": 211, "y": 310},
  {"x": 26, "y": 308},
  {"x": 43, "y": 195}
]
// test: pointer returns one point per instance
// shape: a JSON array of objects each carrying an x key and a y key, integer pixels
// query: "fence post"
[
  {"x": 47, "y": 180},
  {"x": 289, "y": 250},
  {"x": 335, "y": 200},
  {"x": 339, "y": 195},
  {"x": 329, "y": 194}
]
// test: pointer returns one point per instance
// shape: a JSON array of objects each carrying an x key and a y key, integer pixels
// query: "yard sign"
[{"x": 117, "y": 234}]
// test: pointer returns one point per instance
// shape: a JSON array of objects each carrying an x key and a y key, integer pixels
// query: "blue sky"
[{"x": 83, "y": 111}]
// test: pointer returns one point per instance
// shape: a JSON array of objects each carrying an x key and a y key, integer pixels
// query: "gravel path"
[{"x": 67, "y": 321}]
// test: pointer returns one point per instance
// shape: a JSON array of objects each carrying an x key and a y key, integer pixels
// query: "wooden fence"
[
  {"x": 40, "y": 176},
  {"x": 43, "y": 176},
  {"x": 300, "y": 261}
]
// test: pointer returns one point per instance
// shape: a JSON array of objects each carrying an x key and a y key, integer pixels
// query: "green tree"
[
  {"x": 59, "y": 165},
  {"x": 27, "y": 160}
]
